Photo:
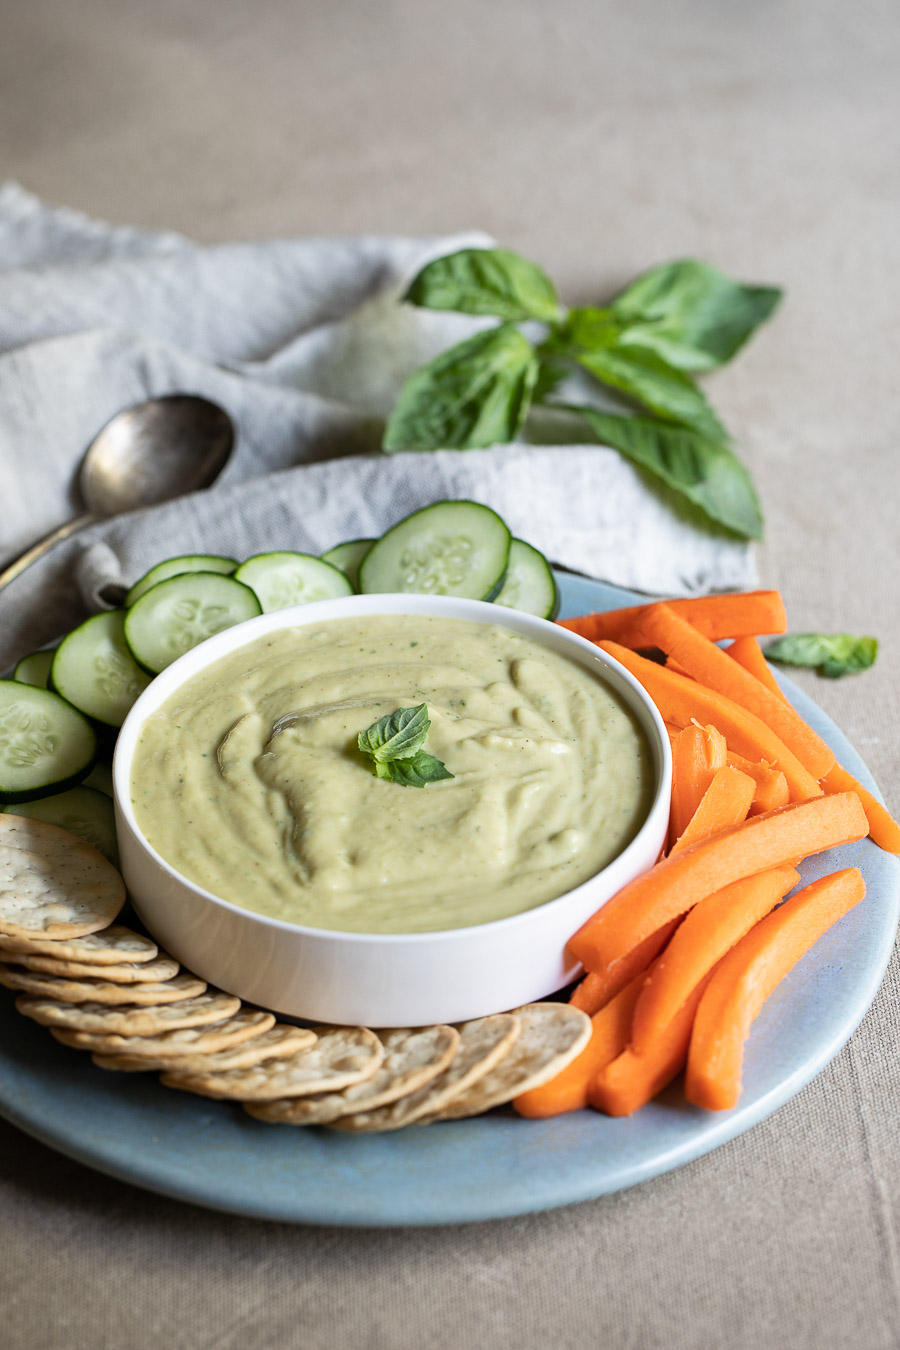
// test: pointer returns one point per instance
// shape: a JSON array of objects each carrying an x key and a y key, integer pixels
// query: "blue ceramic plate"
[{"x": 212, "y": 1154}]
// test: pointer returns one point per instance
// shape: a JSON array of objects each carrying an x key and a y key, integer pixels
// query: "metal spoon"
[{"x": 147, "y": 454}]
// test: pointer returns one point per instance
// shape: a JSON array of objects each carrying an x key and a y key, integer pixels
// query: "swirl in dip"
[{"x": 248, "y": 780}]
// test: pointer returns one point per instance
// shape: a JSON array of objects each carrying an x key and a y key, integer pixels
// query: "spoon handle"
[{"x": 40, "y": 548}]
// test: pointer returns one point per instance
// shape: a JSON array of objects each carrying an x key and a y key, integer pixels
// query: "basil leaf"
[
  {"x": 704, "y": 471},
  {"x": 835, "y": 654},
  {"x": 416, "y": 772},
  {"x": 398, "y": 735},
  {"x": 594, "y": 342},
  {"x": 472, "y": 396},
  {"x": 691, "y": 314},
  {"x": 486, "y": 281},
  {"x": 394, "y": 743}
]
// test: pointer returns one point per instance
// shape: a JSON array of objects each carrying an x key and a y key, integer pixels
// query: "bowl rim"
[{"x": 232, "y": 639}]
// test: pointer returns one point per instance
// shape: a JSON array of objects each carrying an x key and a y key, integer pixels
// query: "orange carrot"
[
  {"x": 883, "y": 829},
  {"x": 716, "y": 616},
  {"x": 629, "y": 1081},
  {"x": 725, "y": 803},
  {"x": 610, "y": 1029},
  {"x": 749, "y": 654},
  {"x": 677, "y": 883},
  {"x": 600, "y": 986},
  {"x": 709, "y": 931},
  {"x": 746, "y": 977},
  {"x": 771, "y": 784},
  {"x": 712, "y": 667},
  {"x": 682, "y": 701},
  {"x": 697, "y": 752}
]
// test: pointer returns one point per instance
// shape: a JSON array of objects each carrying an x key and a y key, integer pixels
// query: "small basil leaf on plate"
[
  {"x": 835, "y": 654},
  {"x": 398, "y": 735},
  {"x": 639, "y": 373},
  {"x": 416, "y": 772},
  {"x": 692, "y": 314},
  {"x": 486, "y": 281},
  {"x": 472, "y": 396},
  {"x": 704, "y": 471}
]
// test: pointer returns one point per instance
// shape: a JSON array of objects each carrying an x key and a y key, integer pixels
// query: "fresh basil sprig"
[
  {"x": 834, "y": 654},
  {"x": 678, "y": 318},
  {"x": 394, "y": 744}
]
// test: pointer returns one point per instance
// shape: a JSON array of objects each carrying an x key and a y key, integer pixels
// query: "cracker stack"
[{"x": 101, "y": 987}]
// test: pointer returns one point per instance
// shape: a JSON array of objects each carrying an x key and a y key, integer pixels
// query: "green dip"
[{"x": 249, "y": 781}]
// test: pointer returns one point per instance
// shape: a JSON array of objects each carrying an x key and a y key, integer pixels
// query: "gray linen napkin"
[{"x": 305, "y": 343}]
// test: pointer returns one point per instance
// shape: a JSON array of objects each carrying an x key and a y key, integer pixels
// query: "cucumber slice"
[
  {"x": 450, "y": 548},
  {"x": 175, "y": 567},
  {"x": 45, "y": 744},
  {"x": 282, "y": 579},
  {"x": 529, "y": 583},
  {"x": 96, "y": 672},
  {"x": 100, "y": 777},
  {"x": 348, "y": 557},
  {"x": 34, "y": 669},
  {"x": 82, "y": 811},
  {"x": 181, "y": 612}
]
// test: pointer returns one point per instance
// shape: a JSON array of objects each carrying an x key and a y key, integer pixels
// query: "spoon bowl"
[
  {"x": 147, "y": 454},
  {"x": 154, "y": 452}
]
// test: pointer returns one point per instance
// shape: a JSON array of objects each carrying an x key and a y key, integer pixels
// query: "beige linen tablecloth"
[{"x": 597, "y": 138}]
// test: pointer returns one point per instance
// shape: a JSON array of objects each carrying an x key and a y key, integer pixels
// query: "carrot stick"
[
  {"x": 725, "y": 803},
  {"x": 883, "y": 829},
  {"x": 610, "y": 1029},
  {"x": 697, "y": 752},
  {"x": 715, "y": 616},
  {"x": 749, "y": 654},
  {"x": 771, "y": 785},
  {"x": 682, "y": 701},
  {"x": 746, "y": 977},
  {"x": 630, "y": 1080},
  {"x": 677, "y": 883},
  {"x": 712, "y": 667},
  {"x": 709, "y": 931},
  {"x": 600, "y": 986}
]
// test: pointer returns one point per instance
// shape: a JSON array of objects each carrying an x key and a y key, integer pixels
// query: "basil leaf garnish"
[
  {"x": 594, "y": 342},
  {"x": 486, "y": 281},
  {"x": 704, "y": 471},
  {"x": 398, "y": 735},
  {"x": 472, "y": 396},
  {"x": 416, "y": 772},
  {"x": 394, "y": 743},
  {"x": 835, "y": 654},
  {"x": 691, "y": 314}
]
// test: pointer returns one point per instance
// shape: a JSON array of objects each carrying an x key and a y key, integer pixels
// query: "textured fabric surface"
[
  {"x": 597, "y": 138},
  {"x": 305, "y": 345}
]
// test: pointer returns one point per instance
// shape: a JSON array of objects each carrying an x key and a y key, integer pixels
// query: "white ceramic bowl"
[{"x": 378, "y": 979}]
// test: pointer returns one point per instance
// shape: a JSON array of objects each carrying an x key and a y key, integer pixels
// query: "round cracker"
[
  {"x": 550, "y": 1036},
  {"x": 278, "y": 1042},
  {"x": 341, "y": 1056},
  {"x": 89, "y": 990},
  {"x": 109, "y": 946},
  {"x": 163, "y": 969},
  {"x": 104, "y": 1019},
  {"x": 186, "y": 1041},
  {"x": 53, "y": 884},
  {"x": 412, "y": 1057},
  {"x": 482, "y": 1045}
]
